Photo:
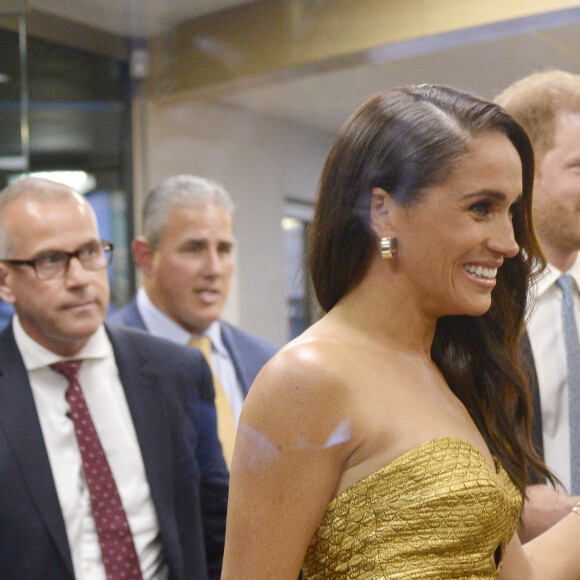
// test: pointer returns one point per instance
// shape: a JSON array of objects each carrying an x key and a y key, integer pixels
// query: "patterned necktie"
[
  {"x": 115, "y": 538},
  {"x": 566, "y": 283},
  {"x": 225, "y": 416}
]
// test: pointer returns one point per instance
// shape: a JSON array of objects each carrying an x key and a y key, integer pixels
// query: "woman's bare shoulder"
[
  {"x": 301, "y": 392},
  {"x": 311, "y": 362}
]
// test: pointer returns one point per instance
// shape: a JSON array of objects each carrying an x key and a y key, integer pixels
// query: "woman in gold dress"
[{"x": 392, "y": 438}]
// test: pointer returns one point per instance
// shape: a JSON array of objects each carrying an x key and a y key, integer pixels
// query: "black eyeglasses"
[{"x": 54, "y": 264}]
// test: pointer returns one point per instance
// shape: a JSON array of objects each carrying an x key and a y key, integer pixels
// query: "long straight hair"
[{"x": 405, "y": 140}]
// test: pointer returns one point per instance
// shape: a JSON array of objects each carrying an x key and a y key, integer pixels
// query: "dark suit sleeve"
[
  {"x": 33, "y": 540},
  {"x": 214, "y": 482},
  {"x": 248, "y": 353},
  {"x": 191, "y": 490},
  {"x": 529, "y": 368}
]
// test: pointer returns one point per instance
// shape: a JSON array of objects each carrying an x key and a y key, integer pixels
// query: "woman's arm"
[
  {"x": 292, "y": 443},
  {"x": 553, "y": 555},
  {"x": 544, "y": 507}
]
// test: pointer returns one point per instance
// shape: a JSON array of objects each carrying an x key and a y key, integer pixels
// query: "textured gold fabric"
[{"x": 438, "y": 511}]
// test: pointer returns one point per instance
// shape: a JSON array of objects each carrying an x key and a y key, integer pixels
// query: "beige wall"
[{"x": 263, "y": 161}]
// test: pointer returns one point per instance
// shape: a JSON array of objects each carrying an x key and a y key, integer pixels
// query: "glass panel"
[
  {"x": 78, "y": 107},
  {"x": 13, "y": 113},
  {"x": 301, "y": 306}
]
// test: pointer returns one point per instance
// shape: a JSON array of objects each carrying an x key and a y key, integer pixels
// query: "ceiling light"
[
  {"x": 79, "y": 180},
  {"x": 290, "y": 223}
]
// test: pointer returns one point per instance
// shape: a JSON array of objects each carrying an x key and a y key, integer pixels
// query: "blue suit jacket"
[
  {"x": 160, "y": 382},
  {"x": 248, "y": 353}
]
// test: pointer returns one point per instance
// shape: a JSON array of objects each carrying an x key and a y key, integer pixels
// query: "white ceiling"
[{"x": 482, "y": 60}]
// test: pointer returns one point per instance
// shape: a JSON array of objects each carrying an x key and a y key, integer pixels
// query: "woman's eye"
[{"x": 481, "y": 207}]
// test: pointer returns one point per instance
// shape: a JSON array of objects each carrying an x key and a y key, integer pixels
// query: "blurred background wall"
[{"x": 250, "y": 94}]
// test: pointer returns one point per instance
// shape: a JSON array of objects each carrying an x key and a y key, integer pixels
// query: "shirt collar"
[
  {"x": 214, "y": 332},
  {"x": 551, "y": 274},
  {"x": 158, "y": 323},
  {"x": 36, "y": 356}
]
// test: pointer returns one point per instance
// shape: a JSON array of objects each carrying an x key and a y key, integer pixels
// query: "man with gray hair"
[
  {"x": 186, "y": 257},
  {"x": 101, "y": 429}
]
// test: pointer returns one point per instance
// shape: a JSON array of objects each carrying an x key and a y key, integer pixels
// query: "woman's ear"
[{"x": 381, "y": 214}]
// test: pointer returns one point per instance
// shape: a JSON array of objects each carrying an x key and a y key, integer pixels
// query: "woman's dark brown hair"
[{"x": 405, "y": 140}]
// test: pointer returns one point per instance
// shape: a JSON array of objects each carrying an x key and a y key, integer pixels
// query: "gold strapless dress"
[{"x": 438, "y": 511}]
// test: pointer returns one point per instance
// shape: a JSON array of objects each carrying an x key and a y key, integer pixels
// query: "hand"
[{"x": 544, "y": 507}]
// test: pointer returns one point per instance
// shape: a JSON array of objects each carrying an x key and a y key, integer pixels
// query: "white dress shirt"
[
  {"x": 99, "y": 380},
  {"x": 159, "y": 324},
  {"x": 546, "y": 333}
]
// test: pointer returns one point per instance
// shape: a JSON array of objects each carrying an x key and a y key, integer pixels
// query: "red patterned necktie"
[{"x": 115, "y": 538}]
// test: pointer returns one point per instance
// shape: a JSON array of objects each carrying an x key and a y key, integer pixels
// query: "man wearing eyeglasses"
[{"x": 98, "y": 431}]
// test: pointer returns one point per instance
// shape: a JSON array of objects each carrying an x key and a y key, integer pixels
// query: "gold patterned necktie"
[{"x": 225, "y": 416}]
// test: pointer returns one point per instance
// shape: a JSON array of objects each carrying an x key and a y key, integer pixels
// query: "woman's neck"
[{"x": 385, "y": 312}]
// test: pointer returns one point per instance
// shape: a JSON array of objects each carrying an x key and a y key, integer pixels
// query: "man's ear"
[
  {"x": 143, "y": 255},
  {"x": 381, "y": 213},
  {"x": 5, "y": 289}
]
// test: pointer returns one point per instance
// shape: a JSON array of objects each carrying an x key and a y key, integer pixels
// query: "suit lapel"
[
  {"x": 134, "y": 316},
  {"x": 128, "y": 315},
  {"x": 242, "y": 363},
  {"x": 142, "y": 381},
  {"x": 20, "y": 424},
  {"x": 529, "y": 368}
]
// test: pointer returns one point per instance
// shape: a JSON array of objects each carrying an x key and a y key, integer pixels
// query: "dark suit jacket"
[
  {"x": 248, "y": 353},
  {"x": 529, "y": 368},
  {"x": 156, "y": 377}
]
